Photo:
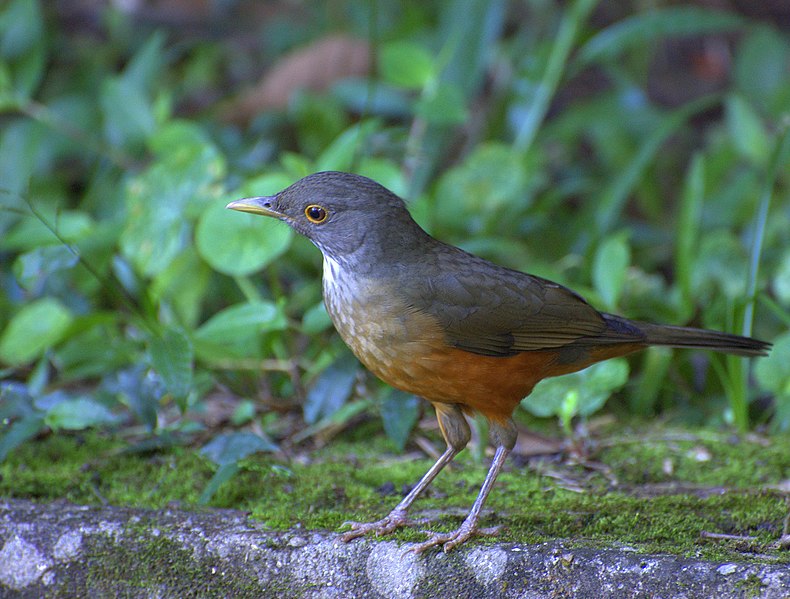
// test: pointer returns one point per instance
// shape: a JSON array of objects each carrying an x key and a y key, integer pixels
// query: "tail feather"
[{"x": 672, "y": 336}]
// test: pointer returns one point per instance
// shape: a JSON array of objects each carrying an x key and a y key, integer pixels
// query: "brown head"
[{"x": 350, "y": 218}]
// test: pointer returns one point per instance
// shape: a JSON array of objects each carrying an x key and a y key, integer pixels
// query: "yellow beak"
[{"x": 260, "y": 205}]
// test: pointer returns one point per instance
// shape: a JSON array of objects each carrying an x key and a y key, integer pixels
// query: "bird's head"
[{"x": 341, "y": 213}]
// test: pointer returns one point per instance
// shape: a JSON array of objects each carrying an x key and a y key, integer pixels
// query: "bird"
[{"x": 465, "y": 334}]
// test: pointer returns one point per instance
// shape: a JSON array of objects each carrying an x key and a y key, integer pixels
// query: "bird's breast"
[
  {"x": 370, "y": 314},
  {"x": 387, "y": 334}
]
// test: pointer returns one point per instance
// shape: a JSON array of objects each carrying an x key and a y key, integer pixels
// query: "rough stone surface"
[{"x": 64, "y": 550}]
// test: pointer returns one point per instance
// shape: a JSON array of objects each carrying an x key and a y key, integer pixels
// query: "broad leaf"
[
  {"x": 331, "y": 389},
  {"x": 589, "y": 389},
  {"x": 240, "y": 244},
  {"x": 171, "y": 356},
  {"x": 77, "y": 414},
  {"x": 19, "y": 432},
  {"x": 232, "y": 447},
  {"x": 406, "y": 64},
  {"x": 35, "y": 328},
  {"x": 610, "y": 267},
  {"x": 399, "y": 413}
]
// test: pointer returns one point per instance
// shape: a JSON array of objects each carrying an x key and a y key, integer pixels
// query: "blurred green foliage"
[{"x": 639, "y": 156}]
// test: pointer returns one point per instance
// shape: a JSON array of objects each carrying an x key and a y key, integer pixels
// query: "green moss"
[
  {"x": 93, "y": 468},
  {"x": 123, "y": 568},
  {"x": 752, "y": 586},
  {"x": 671, "y": 487}
]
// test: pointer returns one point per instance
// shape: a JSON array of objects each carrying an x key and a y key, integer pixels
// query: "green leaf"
[
  {"x": 721, "y": 265},
  {"x": 746, "y": 130},
  {"x": 337, "y": 420},
  {"x": 443, "y": 106},
  {"x": 16, "y": 399},
  {"x": 182, "y": 286},
  {"x": 773, "y": 371},
  {"x": 612, "y": 198},
  {"x": 127, "y": 111},
  {"x": 236, "y": 331},
  {"x": 20, "y": 148},
  {"x": 19, "y": 432},
  {"x": 35, "y": 328},
  {"x": 386, "y": 172},
  {"x": 406, "y": 64},
  {"x": 241, "y": 321},
  {"x": 32, "y": 268},
  {"x": 134, "y": 388},
  {"x": 399, "y": 413},
  {"x": 223, "y": 474},
  {"x": 318, "y": 120},
  {"x": 185, "y": 145},
  {"x": 688, "y": 229},
  {"x": 28, "y": 72},
  {"x": 95, "y": 347},
  {"x": 586, "y": 391},
  {"x": 243, "y": 413},
  {"x": 239, "y": 244},
  {"x": 31, "y": 233},
  {"x": 342, "y": 152},
  {"x": 640, "y": 29},
  {"x": 171, "y": 356},
  {"x": 21, "y": 24},
  {"x": 331, "y": 389},
  {"x": 491, "y": 178},
  {"x": 773, "y": 375},
  {"x": 781, "y": 281},
  {"x": 232, "y": 447},
  {"x": 316, "y": 319},
  {"x": 126, "y": 100},
  {"x": 272, "y": 183},
  {"x": 610, "y": 267},
  {"x": 144, "y": 67},
  {"x": 8, "y": 99},
  {"x": 162, "y": 200},
  {"x": 760, "y": 69},
  {"x": 78, "y": 414},
  {"x": 371, "y": 96},
  {"x": 226, "y": 451}
]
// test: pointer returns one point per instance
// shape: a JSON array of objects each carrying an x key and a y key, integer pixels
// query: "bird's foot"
[
  {"x": 395, "y": 519},
  {"x": 450, "y": 540}
]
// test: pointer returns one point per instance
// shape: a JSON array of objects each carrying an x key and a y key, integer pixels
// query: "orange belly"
[{"x": 493, "y": 386}]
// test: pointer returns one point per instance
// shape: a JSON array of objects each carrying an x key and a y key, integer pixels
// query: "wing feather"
[{"x": 496, "y": 311}]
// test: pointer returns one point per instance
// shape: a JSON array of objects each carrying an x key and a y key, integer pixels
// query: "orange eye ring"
[{"x": 315, "y": 214}]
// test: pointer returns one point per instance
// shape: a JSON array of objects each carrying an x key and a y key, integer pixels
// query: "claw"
[
  {"x": 451, "y": 540},
  {"x": 395, "y": 519}
]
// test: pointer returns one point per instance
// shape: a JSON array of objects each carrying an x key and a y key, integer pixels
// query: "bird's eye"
[{"x": 315, "y": 213}]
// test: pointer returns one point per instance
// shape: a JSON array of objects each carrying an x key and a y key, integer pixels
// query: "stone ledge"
[{"x": 65, "y": 550}]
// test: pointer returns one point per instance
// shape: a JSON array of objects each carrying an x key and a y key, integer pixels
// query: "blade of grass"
[
  {"x": 688, "y": 228},
  {"x": 568, "y": 31},
  {"x": 473, "y": 27},
  {"x": 614, "y": 196},
  {"x": 654, "y": 371},
  {"x": 737, "y": 368},
  {"x": 781, "y": 155},
  {"x": 779, "y": 311},
  {"x": 640, "y": 29}
]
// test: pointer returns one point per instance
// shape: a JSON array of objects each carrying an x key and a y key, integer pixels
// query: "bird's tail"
[{"x": 672, "y": 336}]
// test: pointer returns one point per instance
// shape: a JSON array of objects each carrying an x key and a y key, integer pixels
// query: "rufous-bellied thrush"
[{"x": 464, "y": 333}]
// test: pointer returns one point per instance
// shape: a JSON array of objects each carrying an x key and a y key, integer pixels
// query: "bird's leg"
[
  {"x": 503, "y": 436},
  {"x": 456, "y": 432}
]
